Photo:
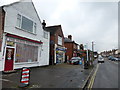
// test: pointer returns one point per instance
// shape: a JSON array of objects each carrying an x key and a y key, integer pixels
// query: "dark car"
[
  {"x": 110, "y": 57},
  {"x": 75, "y": 60},
  {"x": 114, "y": 59}
]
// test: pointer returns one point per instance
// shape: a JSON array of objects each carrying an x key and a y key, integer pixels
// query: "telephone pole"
[
  {"x": 93, "y": 46},
  {"x": 92, "y": 52}
]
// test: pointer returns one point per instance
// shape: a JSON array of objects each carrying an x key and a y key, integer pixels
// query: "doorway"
[{"x": 9, "y": 59}]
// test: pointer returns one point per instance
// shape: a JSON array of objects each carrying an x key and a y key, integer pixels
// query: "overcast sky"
[{"x": 85, "y": 21}]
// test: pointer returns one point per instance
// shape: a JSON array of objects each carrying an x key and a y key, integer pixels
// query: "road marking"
[
  {"x": 4, "y": 80},
  {"x": 93, "y": 78},
  {"x": 87, "y": 78}
]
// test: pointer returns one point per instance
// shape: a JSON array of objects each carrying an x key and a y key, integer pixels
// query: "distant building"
[
  {"x": 57, "y": 49},
  {"x": 72, "y": 47},
  {"x": 22, "y": 41}
]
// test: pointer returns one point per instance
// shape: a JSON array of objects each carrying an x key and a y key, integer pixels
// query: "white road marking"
[{"x": 4, "y": 80}]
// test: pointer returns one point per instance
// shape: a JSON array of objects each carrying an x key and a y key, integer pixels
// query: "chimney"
[
  {"x": 43, "y": 24},
  {"x": 70, "y": 37}
]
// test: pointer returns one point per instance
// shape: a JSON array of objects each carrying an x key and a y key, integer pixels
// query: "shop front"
[
  {"x": 20, "y": 52},
  {"x": 60, "y": 55}
]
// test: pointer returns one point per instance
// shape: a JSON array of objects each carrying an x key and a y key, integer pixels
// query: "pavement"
[{"x": 56, "y": 76}]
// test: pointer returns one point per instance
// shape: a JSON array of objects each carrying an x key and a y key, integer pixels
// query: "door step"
[{"x": 8, "y": 72}]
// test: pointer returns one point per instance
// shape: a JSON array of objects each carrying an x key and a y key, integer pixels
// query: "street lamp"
[{"x": 86, "y": 63}]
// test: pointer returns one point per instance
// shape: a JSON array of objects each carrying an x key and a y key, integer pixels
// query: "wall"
[
  {"x": 69, "y": 51},
  {"x": 45, "y": 51},
  {"x": 11, "y": 20},
  {"x": 59, "y": 33},
  {"x": 2, "y": 15}
]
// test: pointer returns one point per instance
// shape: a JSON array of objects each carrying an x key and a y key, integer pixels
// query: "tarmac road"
[{"x": 106, "y": 75}]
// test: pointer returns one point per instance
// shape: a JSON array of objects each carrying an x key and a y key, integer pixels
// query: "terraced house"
[{"x": 22, "y": 42}]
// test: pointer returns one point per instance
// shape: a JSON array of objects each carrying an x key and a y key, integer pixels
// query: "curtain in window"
[{"x": 26, "y": 53}]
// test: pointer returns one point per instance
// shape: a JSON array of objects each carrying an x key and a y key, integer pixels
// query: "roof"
[
  {"x": 67, "y": 40},
  {"x": 6, "y": 5},
  {"x": 53, "y": 29}
]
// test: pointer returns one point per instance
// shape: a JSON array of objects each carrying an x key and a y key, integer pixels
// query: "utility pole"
[
  {"x": 86, "y": 62},
  {"x": 93, "y": 46},
  {"x": 92, "y": 52},
  {"x": 87, "y": 50}
]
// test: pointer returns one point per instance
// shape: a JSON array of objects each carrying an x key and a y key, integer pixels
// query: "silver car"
[
  {"x": 100, "y": 59},
  {"x": 75, "y": 60}
]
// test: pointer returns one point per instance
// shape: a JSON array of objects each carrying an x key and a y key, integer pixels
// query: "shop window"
[
  {"x": 26, "y": 53},
  {"x": 26, "y": 24}
]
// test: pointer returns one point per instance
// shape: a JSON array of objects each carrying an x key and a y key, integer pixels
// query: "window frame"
[
  {"x": 19, "y": 24},
  {"x": 60, "y": 41},
  {"x": 26, "y": 61}
]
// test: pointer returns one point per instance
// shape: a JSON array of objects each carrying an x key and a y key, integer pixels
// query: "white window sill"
[
  {"x": 26, "y": 63},
  {"x": 25, "y": 31}
]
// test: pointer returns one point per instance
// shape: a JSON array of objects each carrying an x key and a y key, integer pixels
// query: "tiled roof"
[
  {"x": 67, "y": 40},
  {"x": 53, "y": 29}
]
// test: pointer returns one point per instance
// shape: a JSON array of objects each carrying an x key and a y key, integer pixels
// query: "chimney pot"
[
  {"x": 43, "y": 24},
  {"x": 70, "y": 37}
]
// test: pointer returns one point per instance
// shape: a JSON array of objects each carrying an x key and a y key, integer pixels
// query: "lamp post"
[
  {"x": 87, "y": 50},
  {"x": 86, "y": 63}
]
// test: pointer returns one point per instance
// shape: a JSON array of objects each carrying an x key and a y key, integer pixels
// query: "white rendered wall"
[{"x": 45, "y": 51}]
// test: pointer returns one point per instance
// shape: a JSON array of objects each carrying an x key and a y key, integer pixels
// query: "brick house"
[
  {"x": 57, "y": 49},
  {"x": 72, "y": 47},
  {"x": 22, "y": 39}
]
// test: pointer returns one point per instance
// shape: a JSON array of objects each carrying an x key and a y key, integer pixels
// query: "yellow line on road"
[
  {"x": 87, "y": 78},
  {"x": 93, "y": 78}
]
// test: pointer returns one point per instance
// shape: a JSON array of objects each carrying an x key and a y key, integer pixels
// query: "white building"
[{"x": 24, "y": 43}]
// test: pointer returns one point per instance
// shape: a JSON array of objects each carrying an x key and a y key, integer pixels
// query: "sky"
[{"x": 86, "y": 20}]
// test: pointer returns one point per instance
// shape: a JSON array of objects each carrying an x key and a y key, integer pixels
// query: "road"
[{"x": 106, "y": 75}]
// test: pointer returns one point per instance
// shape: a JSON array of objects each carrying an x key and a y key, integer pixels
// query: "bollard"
[{"x": 25, "y": 77}]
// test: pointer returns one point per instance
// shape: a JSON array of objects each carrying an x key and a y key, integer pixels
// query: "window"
[
  {"x": 26, "y": 24},
  {"x": 19, "y": 20},
  {"x": 59, "y": 40},
  {"x": 26, "y": 53},
  {"x": 45, "y": 34},
  {"x": 34, "y": 28}
]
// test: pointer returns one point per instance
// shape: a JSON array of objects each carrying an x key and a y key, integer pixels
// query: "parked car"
[
  {"x": 75, "y": 60},
  {"x": 110, "y": 57},
  {"x": 118, "y": 58},
  {"x": 100, "y": 59},
  {"x": 114, "y": 59}
]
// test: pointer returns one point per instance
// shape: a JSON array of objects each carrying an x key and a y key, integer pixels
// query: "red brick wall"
[
  {"x": 69, "y": 51},
  {"x": 2, "y": 16},
  {"x": 54, "y": 39},
  {"x": 59, "y": 33}
]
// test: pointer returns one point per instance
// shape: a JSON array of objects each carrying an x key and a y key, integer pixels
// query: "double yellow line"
[{"x": 90, "y": 85}]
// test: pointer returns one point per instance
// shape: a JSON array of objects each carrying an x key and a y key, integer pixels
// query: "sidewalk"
[{"x": 57, "y": 76}]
